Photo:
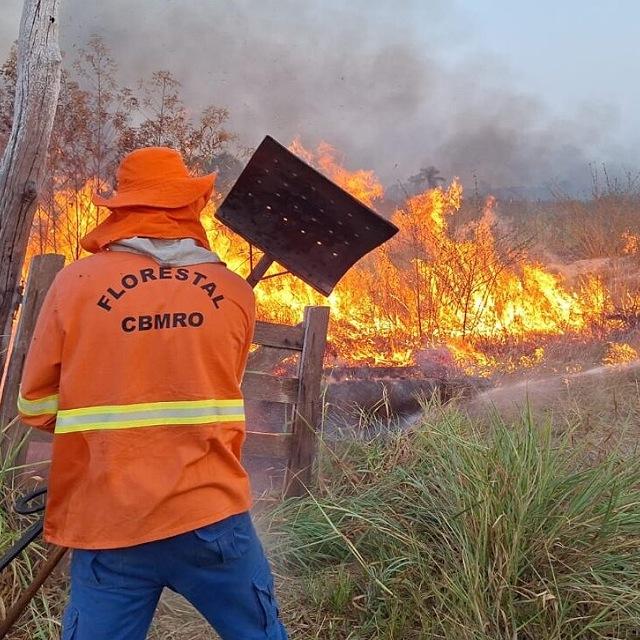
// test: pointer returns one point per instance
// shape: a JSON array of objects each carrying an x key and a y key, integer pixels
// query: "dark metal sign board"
[{"x": 301, "y": 219}]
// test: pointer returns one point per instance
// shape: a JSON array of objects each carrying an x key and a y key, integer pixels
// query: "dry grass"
[
  {"x": 581, "y": 228},
  {"x": 176, "y": 619},
  {"x": 598, "y": 405}
]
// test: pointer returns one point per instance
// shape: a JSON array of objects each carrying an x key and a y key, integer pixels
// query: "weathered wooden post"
[
  {"x": 308, "y": 403},
  {"x": 42, "y": 271},
  {"x": 23, "y": 164}
]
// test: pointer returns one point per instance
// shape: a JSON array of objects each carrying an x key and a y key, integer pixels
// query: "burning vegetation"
[{"x": 467, "y": 286}]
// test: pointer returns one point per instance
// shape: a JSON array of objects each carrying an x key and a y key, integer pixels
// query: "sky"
[
  {"x": 515, "y": 95},
  {"x": 576, "y": 54}
]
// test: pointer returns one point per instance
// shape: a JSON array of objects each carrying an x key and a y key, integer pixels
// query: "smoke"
[
  {"x": 510, "y": 141},
  {"x": 370, "y": 78}
]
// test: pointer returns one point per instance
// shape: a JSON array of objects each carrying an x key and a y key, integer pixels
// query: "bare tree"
[
  {"x": 108, "y": 106},
  {"x": 23, "y": 164},
  {"x": 168, "y": 122},
  {"x": 7, "y": 95}
]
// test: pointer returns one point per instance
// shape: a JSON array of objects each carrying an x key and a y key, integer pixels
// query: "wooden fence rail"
[{"x": 298, "y": 444}]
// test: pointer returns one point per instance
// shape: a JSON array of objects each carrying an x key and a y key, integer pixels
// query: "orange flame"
[
  {"x": 436, "y": 283},
  {"x": 619, "y": 353},
  {"x": 364, "y": 185}
]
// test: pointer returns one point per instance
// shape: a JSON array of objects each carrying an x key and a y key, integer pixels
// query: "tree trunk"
[{"x": 23, "y": 164}]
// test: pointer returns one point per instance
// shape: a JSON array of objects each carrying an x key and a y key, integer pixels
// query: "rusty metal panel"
[{"x": 309, "y": 225}]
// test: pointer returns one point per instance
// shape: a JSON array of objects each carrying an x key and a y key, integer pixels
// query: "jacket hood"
[
  {"x": 168, "y": 253},
  {"x": 149, "y": 222}
]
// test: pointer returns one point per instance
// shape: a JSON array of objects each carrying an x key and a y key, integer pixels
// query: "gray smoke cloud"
[{"x": 368, "y": 77}]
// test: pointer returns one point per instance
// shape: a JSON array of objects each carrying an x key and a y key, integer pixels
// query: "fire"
[
  {"x": 463, "y": 287},
  {"x": 59, "y": 225},
  {"x": 437, "y": 283},
  {"x": 429, "y": 286},
  {"x": 619, "y": 353},
  {"x": 362, "y": 184}
]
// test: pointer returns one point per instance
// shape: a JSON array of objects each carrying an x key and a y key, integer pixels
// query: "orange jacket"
[{"x": 136, "y": 369}]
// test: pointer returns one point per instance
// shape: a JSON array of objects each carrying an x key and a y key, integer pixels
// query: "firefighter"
[{"x": 135, "y": 368}]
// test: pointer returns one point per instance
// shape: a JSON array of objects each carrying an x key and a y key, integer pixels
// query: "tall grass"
[
  {"x": 459, "y": 532},
  {"x": 41, "y": 619},
  {"x": 470, "y": 529}
]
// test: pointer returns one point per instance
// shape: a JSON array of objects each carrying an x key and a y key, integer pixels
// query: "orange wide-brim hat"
[
  {"x": 156, "y": 198},
  {"x": 155, "y": 177}
]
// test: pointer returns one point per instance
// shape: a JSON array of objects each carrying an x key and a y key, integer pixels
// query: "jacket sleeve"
[{"x": 38, "y": 396}]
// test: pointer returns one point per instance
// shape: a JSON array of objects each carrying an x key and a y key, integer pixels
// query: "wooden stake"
[
  {"x": 42, "y": 271},
  {"x": 307, "y": 413}
]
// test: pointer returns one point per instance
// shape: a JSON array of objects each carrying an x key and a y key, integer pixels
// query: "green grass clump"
[{"x": 453, "y": 531}]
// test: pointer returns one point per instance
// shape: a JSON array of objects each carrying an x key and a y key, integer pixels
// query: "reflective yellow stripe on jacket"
[
  {"x": 41, "y": 407},
  {"x": 149, "y": 414}
]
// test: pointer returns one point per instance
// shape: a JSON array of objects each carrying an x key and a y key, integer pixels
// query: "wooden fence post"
[
  {"x": 42, "y": 271},
  {"x": 307, "y": 413}
]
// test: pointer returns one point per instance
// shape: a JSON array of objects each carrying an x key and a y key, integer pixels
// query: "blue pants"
[{"x": 221, "y": 569}]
